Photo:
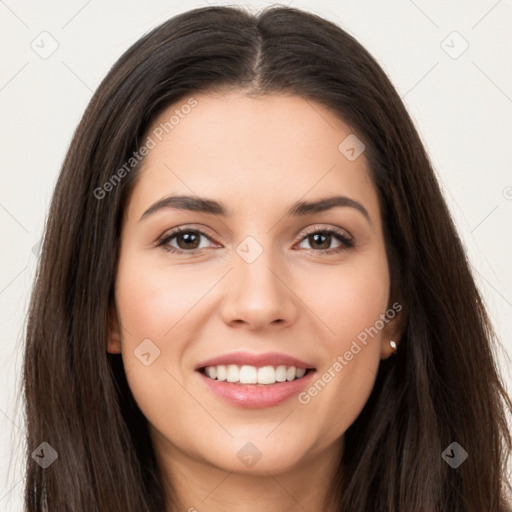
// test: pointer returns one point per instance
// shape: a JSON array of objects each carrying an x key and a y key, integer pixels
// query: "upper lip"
[{"x": 258, "y": 360}]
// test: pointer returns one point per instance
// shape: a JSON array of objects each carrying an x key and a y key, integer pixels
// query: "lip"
[
  {"x": 256, "y": 396},
  {"x": 258, "y": 360}
]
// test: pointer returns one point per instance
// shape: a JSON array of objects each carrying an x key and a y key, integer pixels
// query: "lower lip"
[{"x": 257, "y": 396}]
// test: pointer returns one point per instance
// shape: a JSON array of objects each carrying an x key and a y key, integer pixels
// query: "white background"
[{"x": 461, "y": 106}]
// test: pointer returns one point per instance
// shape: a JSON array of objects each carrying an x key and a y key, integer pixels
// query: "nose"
[{"x": 259, "y": 294}]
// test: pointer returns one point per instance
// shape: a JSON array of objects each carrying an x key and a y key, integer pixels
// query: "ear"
[
  {"x": 114, "y": 332},
  {"x": 393, "y": 329}
]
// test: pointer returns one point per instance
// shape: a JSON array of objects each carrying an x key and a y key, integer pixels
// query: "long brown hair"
[{"x": 443, "y": 384}]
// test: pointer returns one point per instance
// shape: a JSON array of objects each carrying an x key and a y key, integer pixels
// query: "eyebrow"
[{"x": 210, "y": 206}]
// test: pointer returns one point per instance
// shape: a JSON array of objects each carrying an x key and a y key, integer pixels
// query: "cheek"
[
  {"x": 351, "y": 306},
  {"x": 152, "y": 304},
  {"x": 349, "y": 301},
  {"x": 152, "y": 299},
  {"x": 158, "y": 307},
  {"x": 149, "y": 306}
]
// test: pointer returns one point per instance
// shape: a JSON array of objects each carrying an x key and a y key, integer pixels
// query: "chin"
[{"x": 256, "y": 453}]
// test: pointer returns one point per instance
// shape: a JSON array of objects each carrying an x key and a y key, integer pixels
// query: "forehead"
[{"x": 265, "y": 151}]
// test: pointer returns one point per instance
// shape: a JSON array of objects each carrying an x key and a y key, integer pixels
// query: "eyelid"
[
  {"x": 325, "y": 228},
  {"x": 199, "y": 228}
]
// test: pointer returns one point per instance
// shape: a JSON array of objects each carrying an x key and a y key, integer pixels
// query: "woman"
[{"x": 191, "y": 347}]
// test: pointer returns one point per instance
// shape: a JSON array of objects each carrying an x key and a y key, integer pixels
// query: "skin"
[{"x": 258, "y": 156}]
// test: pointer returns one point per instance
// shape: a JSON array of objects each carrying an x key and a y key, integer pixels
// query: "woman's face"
[{"x": 248, "y": 287}]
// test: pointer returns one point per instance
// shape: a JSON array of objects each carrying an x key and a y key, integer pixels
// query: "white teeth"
[
  {"x": 221, "y": 372},
  {"x": 247, "y": 374},
  {"x": 266, "y": 375},
  {"x": 281, "y": 373},
  {"x": 233, "y": 373}
]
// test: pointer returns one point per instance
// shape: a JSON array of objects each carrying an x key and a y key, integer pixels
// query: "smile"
[
  {"x": 247, "y": 374},
  {"x": 254, "y": 381}
]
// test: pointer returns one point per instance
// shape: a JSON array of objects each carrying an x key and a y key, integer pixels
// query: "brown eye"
[
  {"x": 183, "y": 240},
  {"x": 321, "y": 240},
  {"x": 188, "y": 240}
]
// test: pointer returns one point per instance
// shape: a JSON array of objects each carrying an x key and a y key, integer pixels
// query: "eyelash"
[{"x": 346, "y": 242}]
